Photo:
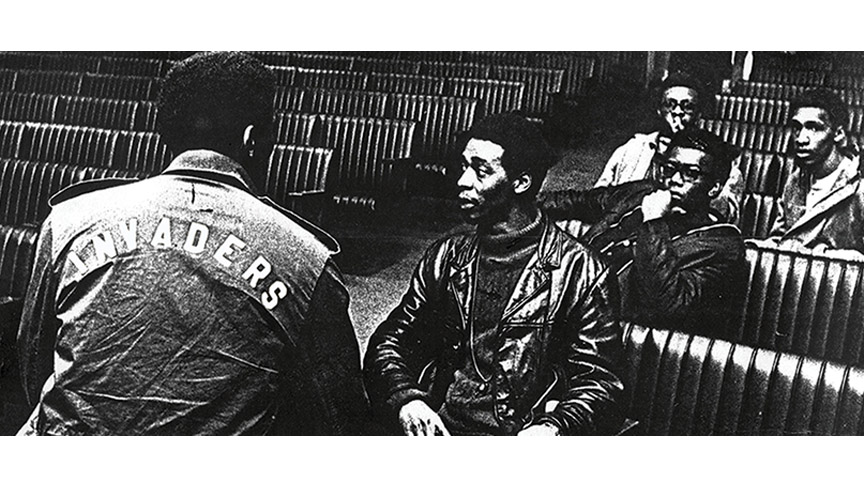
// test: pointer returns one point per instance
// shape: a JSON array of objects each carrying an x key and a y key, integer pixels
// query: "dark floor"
[{"x": 377, "y": 259}]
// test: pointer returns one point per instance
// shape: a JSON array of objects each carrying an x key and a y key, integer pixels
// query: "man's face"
[
  {"x": 485, "y": 192},
  {"x": 813, "y": 136},
  {"x": 678, "y": 107},
  {"x": 686, "y": 173}
]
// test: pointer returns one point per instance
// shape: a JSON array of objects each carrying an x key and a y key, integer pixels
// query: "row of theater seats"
[
  {"x": 765, "y": 111},
  {"x": 779, "y": 91},
  {"x": 78, "y": 110},
  {"x": 80, "y": 84},
  {"x": 96, "y": 64},
  {"x": 439, "y": 118},
  {"x": 576, "y": 68},
  {"x": 498, "y": 95},
  {"x": 808, "y": 77},
  {"x": 680, "y": 384}
]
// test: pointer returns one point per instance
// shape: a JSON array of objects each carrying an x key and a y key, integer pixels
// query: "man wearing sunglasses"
[
  {"x": 678, "y": 108},
  {"x": 678, "y": 266}
]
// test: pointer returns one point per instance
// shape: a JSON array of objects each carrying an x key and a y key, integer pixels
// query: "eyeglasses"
[
  {"x": 686, "y": 106},
  {"x": 668, "y": 169}
]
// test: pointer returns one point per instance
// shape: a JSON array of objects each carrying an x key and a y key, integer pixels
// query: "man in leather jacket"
[
  {"x": 508, "y": 327},
  {"x": 678, "y": 267},
  {"x": 184, "y": 303}
]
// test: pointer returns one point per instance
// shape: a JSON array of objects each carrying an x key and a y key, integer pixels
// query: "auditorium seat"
[
  {"x": 679, "y": 384},
  {"x": 324, "y": 78},
  {"x": 64, "y": 144},
  {"x": 294, "y": 128},
  {"x": 752, "y": 110},
  {"x": 764, "y": 173},
  {"x": 289, "y": 99},
  {"x": 541, "y": 84},
  {"x": 321, "y": 61},
  {"x": 455, "y": 70},
  {"x": 297, "y": 179},
  {"x": 804, "y": 303},
  {"x": 758, "y": 212},
  {"x": 395, "y": 66},
  {"x": 346, "y": 102},
  {"x": 497, "y": 96},
  {"x": 26, "y": 187},
  {"x": 140, "y": 152},
  {"x": 119, "y": 87},
  {"x": 48, "y": 82},
  {"x": 17, "y": 248},
  {"x": 27, "y": 107},
  {"x": 440, "y": 119},
  {"x": 406, "y": 83},
  {"x": 361, "y": 147}
]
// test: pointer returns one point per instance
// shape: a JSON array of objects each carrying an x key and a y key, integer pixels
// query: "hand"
[
  {"x": 417, "y": 418},
  {"x": 542, "y": 430},
  {"x": 656, "y": 205}
]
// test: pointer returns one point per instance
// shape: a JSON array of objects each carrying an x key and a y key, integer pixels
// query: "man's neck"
[
  {"x": 518, "y": 217},
  {"x": 826, "y": 168}
]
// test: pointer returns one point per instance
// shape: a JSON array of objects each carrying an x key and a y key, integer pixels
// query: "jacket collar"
[
  {"x": 844, "y": 187},
  {"x": 548, "y": 251},
  {"x": 211, "y": 165},
  {"x": 463, "y": 269}
]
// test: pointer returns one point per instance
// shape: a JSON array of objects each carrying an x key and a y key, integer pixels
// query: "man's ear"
[
  {"x": 522, "y": 183},
  {"x": 249, "y": 140},
  {"x": 714, "y": 191},
  {"x": 839, "y": 134}
]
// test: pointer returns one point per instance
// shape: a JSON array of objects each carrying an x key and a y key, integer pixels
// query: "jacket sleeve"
[
  {"x": 780, "y": 226},
  {"x": 610, "y": 171},
  {"x": 39, "y": 324},
  {"x": 728, "y": 202},
  {"x": 336, "y": 356},
  {"x": 592, "y": 400},
  {"x": 675, "y": 284},
  {"x": 406, "y": 341},
  {"x": 588, "y": 206}
]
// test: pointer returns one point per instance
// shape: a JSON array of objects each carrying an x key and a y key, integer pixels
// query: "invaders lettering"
[{"x": 194, "y": 238}]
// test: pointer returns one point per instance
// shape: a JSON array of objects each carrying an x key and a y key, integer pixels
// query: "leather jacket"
[
  {"x": 559, "y": 338},
  {"x": 683, "y": 271}
]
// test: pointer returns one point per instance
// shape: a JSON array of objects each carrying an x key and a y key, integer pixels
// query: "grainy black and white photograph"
[{"x": 388, "y": 241}]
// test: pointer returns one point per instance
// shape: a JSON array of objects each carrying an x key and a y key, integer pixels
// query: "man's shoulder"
[
  {"x": 640, "y": 140},
  {"x": 297, "y": 224}
]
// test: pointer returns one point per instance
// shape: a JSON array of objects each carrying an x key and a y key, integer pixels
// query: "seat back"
[
  {"x": 360, "y": 147},
  {"x": 679, "y": 384},
  {"x": 295, "y": 128},
  {"x": 347, "y": 102},
  {"x": 440, "y": 119},
  {"x": 541, "y": 84},
  {"x": 497, "y": 96},
  {"x": 758, "y": 213},
  {"x": 17, "y": 249},
  {"x": 323, "y": 78},
  {"x": 27, "y": 106},
  {"x": 406, "y": 83},
  {"x": 805, "y": 304},
  {"x": 26, "y": 187},
  {"x": 295, "y": 170}
]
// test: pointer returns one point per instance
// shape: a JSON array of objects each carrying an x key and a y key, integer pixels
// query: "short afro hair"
[
  {"x": 720, "y": 153},
  {"x": 209, "y": 98},
  {"x": 831, "y": 102},
  {"x": 525, "y": 149}
]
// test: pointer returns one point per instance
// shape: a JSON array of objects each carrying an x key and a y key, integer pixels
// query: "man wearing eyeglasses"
[
  {"x": 678, "y": 266},
  {"x": 678, "y": 109},
  {"x": 822, "y": 206}
]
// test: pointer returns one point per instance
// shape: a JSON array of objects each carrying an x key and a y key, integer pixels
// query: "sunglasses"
[
  {"x": 668, "y": 169},
  {"x": 686, "y": 106}
]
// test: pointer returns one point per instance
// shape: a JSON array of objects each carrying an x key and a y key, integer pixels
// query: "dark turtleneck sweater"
[{"x": 469, "y": 405}]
